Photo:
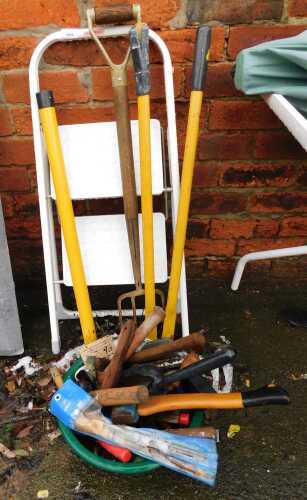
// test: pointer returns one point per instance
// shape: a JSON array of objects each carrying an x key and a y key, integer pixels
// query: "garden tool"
[
  {"x": 112, "y": 372},
  {"x": 119, "y": 13},
  {"x": 263, "y": 396},
  {"x": 139, "y": 41},
  {"x": 49, "y": 125},
  {"x": 198, "y": 76},
  {"x": 194, "y": 342},
  {"x": 191, "y": 456},
  {"x": 121, "y": 395},
  {"x": 153, "y": 377},
  {"x": 149, "y": 324}
]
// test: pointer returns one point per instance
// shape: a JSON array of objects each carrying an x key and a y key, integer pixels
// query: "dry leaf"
[
  {"x": 44, "y": 381},
  {"x": 11, "y": 386},
  {"x": 6, "y": 452},
  {"x": 25, "y": 432}
]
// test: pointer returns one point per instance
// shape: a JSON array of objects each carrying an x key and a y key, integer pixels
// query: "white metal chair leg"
[{"x": 267, "y": 254}]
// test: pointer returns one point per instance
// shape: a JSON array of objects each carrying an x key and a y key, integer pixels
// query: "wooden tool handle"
[
  {"x": 203, "y": 432},
  {"x": 112, "y": 372},
  {"x": 194, "y": 342},
  {"x": 121, "y": 396},
  {"x": 157, "y": 404},
  {"x": 113, "y": 14},
  {"x": 152, "y": 320}
]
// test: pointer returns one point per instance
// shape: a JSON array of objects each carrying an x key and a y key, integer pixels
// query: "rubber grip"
[
  {"x": 200, "y": 63},
  {"x": 216, "y": 360},
  {"x": 274, "y": 395},
  {"x": 139, "y": 44}
]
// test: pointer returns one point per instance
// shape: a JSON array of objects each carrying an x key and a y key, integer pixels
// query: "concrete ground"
[{"x": 266, "y": 460}]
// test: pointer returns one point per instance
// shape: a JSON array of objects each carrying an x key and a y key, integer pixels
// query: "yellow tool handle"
[
  {"x": 183, "y": 210},
  {"x": 199, "y": 71},
  {"x": 146, "y": 203},
  {"x": 171, "y": 402},
  {"x": 65, "y": 209}
]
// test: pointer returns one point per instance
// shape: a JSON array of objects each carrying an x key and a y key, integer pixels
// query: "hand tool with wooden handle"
[
  {"x": 194, "y": 457},
  {"x": 198, "y": 76},
  {"x": 119, "y": 13},
  {"x": 234, "y": 400},
  {"x": 111, "y": 374},
  {"x": 149, "y": 324},
  {"x": 121, "y": 395},
  {"x": 204, "y": 432},
  {"x": 65, "y": 210},
  {"x": 157, "y": 382},
  {"x": 194, "y": 342},
  {"x": 139, "y": 41}
]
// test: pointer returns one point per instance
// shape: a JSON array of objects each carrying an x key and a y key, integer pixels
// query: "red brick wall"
[{"x": 249, "y": 186}]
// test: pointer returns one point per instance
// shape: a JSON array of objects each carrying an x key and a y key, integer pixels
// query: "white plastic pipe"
[{"x": 267, "y": 254}]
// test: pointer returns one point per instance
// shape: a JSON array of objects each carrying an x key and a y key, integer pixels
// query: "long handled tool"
[
  {"x": 139, "y": 41},
  {"x": 198, "y": 77},
  {"x": 234, "y": 400},
  {"x": 194, "y": 457},
  {"x": 65, "y": 209},
  {"x": 115, "y": 14}
]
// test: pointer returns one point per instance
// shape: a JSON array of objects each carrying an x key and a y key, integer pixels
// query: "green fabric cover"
[{"x": 279, "y": 66}]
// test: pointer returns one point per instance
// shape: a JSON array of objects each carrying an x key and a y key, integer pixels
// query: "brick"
[
  {"x": 219, "y": 81},
  {"x": 206, "y": 174},
  {"x": 203, "y": 203},
  {"x": 8, "y": 203},
  {"x": 241, "y": 115},
  {"x": 22, "y": 120},
  {"x": 33, "y": 179},
  {"x": 26, "y": 204},
  {"x": 197, "y": 228},
  {"x": 226, "y": 146},
  {"x": 202, "y": 247},
  {"x": 6, "y": 127},
  {"x": 17, "y": 14},
  {"x": 243, "y": 228},
  {"x": 266, "y": 228},
  {"x": 15, "y": 52},
  {"x": 241, "y": 37},
  {"x": 297, "y": 8},
  {"x": 221, "y": 268},
  {"x": 14, "y": 179},
  {"x": 293, "y": 226},
  {"x": 302, "y": 177},
  {"x": 77, "y": 114},
  {"x": 16, "y": 152},
  {"x": 278, "y": 202},
  {"x": 65, "y": 85},
  {"x": 102, "y": 88},
  {"x": 277, "y": 146},
  {"x": 235, "y": 12},
  {"x": 156, "y": 14},
  {"x": 86, "y": 53},
  {"x": 257, "y": 175},
  {"x": 247, "y": 246},
  {"x": 231, "y": 228}
]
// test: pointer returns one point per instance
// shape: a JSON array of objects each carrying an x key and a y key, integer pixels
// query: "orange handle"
[
  {"x": 121, "y": 454},
  {"x": 170, "y": 402}
]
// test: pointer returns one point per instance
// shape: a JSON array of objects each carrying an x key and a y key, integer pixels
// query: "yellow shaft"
[
  {"x": 146, "y": 202},
  {"x": 183, "y": 210},
  {"x": 66, "y": 214}
]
